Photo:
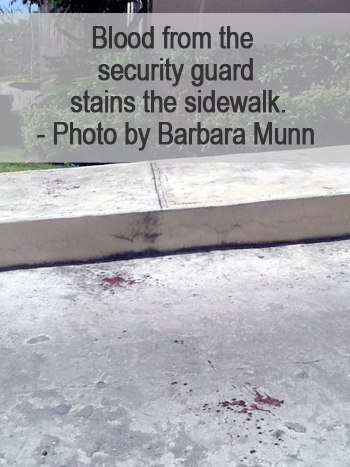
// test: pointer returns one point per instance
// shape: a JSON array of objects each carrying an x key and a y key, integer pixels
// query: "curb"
[{"x": 169, "y": 224}]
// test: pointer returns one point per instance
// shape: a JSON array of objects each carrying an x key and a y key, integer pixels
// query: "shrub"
[{"x": 10, "y": 129}]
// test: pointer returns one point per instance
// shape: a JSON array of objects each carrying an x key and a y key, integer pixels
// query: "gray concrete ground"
[{"x": 229, "y": 358}]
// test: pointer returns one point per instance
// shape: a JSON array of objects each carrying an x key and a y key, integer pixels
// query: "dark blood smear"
[
  {"x": 117, "y": 281},
  {"x": 233, "y": 402},
  {"x": 246, "y": 408},
  {"x": 268, "y": 400}
]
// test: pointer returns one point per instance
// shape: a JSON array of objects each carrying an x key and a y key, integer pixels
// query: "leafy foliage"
[
  {"x": 312, "y": 78},
  {"x": 19, "y": 52},
  {"x": 300, "y": 64}
]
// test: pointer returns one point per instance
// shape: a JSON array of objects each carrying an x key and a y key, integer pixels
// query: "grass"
[
  {"x": 8, "y": 153},
  {"x": 17, "y": 167}
]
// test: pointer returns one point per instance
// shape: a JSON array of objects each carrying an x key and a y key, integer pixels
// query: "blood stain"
[
  {"x": 211, "y": 364},
  {"x": 118, "y": 281},
  {"x": 268, "y": 400}
]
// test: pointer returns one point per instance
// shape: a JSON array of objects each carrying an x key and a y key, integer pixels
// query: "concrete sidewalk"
[
  {"x": 90, "y": 213},
  {"x": 234, "y": 358}
]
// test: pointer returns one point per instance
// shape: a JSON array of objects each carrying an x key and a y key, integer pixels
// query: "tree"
[
  {"x": 89, "y": 6},
  {"x": 19, "y": 55}
]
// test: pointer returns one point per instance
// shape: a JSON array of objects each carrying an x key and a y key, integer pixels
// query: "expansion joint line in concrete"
[{"x": 156, "y": 176}]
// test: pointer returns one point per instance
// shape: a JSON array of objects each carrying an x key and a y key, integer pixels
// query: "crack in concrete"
[
  {"x": 158, "y": 185},
  {"x": 310, "y": 362}
]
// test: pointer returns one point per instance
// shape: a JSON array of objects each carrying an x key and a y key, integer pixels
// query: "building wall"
[{"x": 251, "y": 6}]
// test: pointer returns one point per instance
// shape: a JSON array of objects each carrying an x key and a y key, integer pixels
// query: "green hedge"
[{"x": 312, "y": 78}]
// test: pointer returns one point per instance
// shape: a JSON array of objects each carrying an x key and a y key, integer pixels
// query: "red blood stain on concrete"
[
  {"x": 117, "y": 281},
  {"x": 268, "y": 400},
  {"x": 258, "y": 404}
]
